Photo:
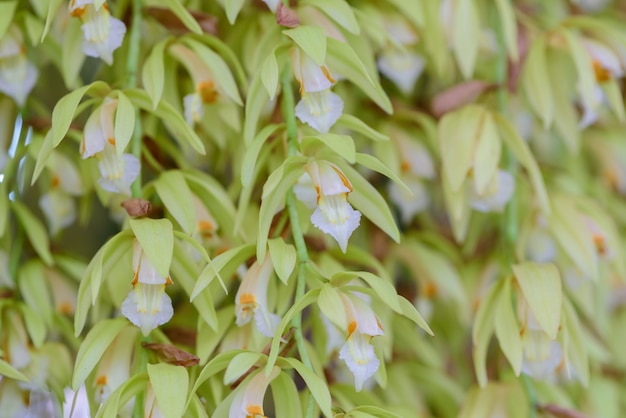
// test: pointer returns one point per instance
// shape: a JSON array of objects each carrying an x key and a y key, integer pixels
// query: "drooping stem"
[
  {"x": 288, "y": 111},
  {"x": 131, "y": 82}
]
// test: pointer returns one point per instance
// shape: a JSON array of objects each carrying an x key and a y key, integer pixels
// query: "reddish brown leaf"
[
  {"x": 137, "y": 207},
  {"x": 458, "y": 96},
  {"x": 561, "y": 412},
  {"x": 165, "y": 17},
  {"x": 172, "y": 355},
  {"x": 286, "y": 17}
]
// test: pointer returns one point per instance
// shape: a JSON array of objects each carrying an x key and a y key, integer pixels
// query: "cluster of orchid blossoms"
[{"x": 102, "y": 33}]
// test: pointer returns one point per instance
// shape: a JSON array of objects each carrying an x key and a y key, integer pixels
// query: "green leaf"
[
  {"x": 466, "y": 36},
  {"x": 536, "y": 82},
  {"x": 283, "y": 258},
  {"x": 375, "y": 164},
  {"x": 218, "y": 67},
  {"x": 216, "y": 365},
  {"x": 153, "y": 73},
  {"x": 488, "y": 151},
  {"x": 482, "y": 330},
  {"x": 410, "y": 11},
  {"x": 255, "y": 103},
  {"x": 584, "y": 67},
  {"x": 170, "y": 384},
  {"x": 312, "y": 40},
  {"x": 177, "y": 198},
  {"x": 122, "y": 395},
  {"x": 233, "y": 7},
  {"x": 64, "y": 110},
  {"x": 357, "y": 125},
  {"x": 286, "y": 398},
  {"x": 33, "y": 27},
  {"x": 34, "y": 289},
  {"x": 541, "y": 286},
  {"x": 6, "y": 370},
  {"x": 409, "y": 311},
  {"x": 72, "y": 55},
  {"x": 339, "y": 11},
  {"x": 459, "y": 132},
  {"x": 520, "y": 148},
  {"x": 95, "y": 344},
  {"x": 508, "y": 330},
  {"x": 156, "y": 238},
  {"x": 269, "y": 74},
  {"x": 509, "y": 27},
  {"x": 172, "y": 119},
  {"x": 34, "y": 325},
  {"x": 4, "y": 208},
  {"x": 124, "y": 122},
  {"x": 239, "y": 365},
  {"x": 384, "y": 290},
  {"x": 342, "y": 145},
  {"x": 332, "y": 306},
  {"x": 252, "y": 153},
  {"x": 181, "y": 12},
  {"x": 317, "y": 386},
  {"x": 53, "y": 6},
  {"x": 613, "y": 93},
  {"x": 342, "y": 59},
  {"x": 7, "y": 10},
  {"x": 35, "y": 231}
]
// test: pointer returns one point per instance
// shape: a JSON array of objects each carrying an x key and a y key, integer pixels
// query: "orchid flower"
[
  {"x": 206, "y": 91},
  {"x": 251, "y": 298},
  {"x": 147, "y": 305},
  {"x": 333, "y": 214},
  {"x": 103, "y": 34},
  {"x": 319, "y": 107},
  {"x": 248, "y": 400},
  {"x": 118, "y": 172},
  {"x": 114, "y": 367},
  {"x": 496, "y": 196},
  {"x": 18, "y": 76}
]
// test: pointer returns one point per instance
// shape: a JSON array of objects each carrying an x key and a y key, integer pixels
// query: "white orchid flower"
[
  {"x": 147, "y": 305},
  {"x": 118, "y": 172},
  {"x": 401, "y": 66},
  {"x": 497, "y": 194},
  {"x": 333, "y": 214},
  {"x": 251, "y": 298},
  {"x": 59, "y": 210},
  {"x": 114, "y": 366},
  {"x": 409, "y": 204},
  {"x": 99, "y": 129},
  {"x": 248, "y": 400},
  {"x": 15, "y": 341},
  {"x": 102, "y": 33},
  {"x": 18, "y": 76}
]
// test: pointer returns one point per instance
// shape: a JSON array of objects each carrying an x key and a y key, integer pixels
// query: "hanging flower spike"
[
  {"x": 497, "y": 194},
  {"x": 357, "y": 352},
  {"x": 251, "y": 298},
  {"x": 18, "y": 76},
  {"x": 248, "y": 402},
  {"x": 206, "y": 89},
  {"x": 147, "y": 305},
  {"x": 333, "y": 214},
  {"x": 103, "y": 34},
  {"x": 319, "y": 107}
]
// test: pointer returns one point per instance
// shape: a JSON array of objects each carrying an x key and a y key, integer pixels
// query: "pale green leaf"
[
  {"x": 283, "y": 258},
  {"x": 286, "y": 398},
  {"x": 375, "y": 164},
  {"x": 342, "y": 145},
  {"x": 170, "y": 384},
  {"x": 584, "y": 67},
  {"x": 332, "y": 306},
  {"x": 53, "y": 6},
  {"x": 256, "y": 101},
  {"x": 409, "y": 311},
  {"x": 177, "y": 198},
  {"x": 613, "y": 93},
  {"x": 466, "y": 36},
  {"x": 488, "y": 150},
  {"x": 541, "y": 286},
  {"x": 357, "y": 125},
  {"x": 34, "y": 28},
  {"x": 156, "y": 238},
  {"x": 216, "y": 365},
  {"x": 122, "y": 395},
  {"x": 35, "y": 231},
  {"x": 482, "y": 330},
  {"x": 7, "y": 10},
  {"x": 233, "y": 7},
  {"x": 124, "y": 122},
  {"x": 34, "y": 325},
  {"x": 94, "y": 345},
  {"x": 384, "y": 290},
  {"x": 226, "y": 261},
  {"x": 413, "y": 12},
  {"x": 509, "y": 27},
  {"x": 34, "y": 289},
  {"x": 269, "y": 74},
  {"x": 317, "y": 386},
  {"x": 536, "y": 82},
  {"x": 4, "y": 207},
  {"x": 218, "y": 67},
  {"x": 72, "y": 55},
  {"x": 252, "y": 153},
  {"x": 153, "y": 73},
  {"x": 340, "y": 11},
  {"x": 342, "y": 59},
  {"x": 311, "y": 39},
  {"x": 8, "y": 371},
  {"x": 239, "y": 365},
  {"x": 508, "y": 329},
  {"x": 181, "y": 12}
]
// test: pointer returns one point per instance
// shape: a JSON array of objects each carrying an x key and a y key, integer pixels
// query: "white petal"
[
  {"x": 144, "y": 269},
  {"x": 266, "y": 322},
  {"x": 542, "y": 355},
  {"x": 312, "y": 77},
  {"x": 305, "y": 191},
  {"x": 401, "y": 67},
  {"x": 335, "y": 216},
  {"x": 591, "y": 110},
  {"x": 93, "y": 135},
  {"x": 18, "y": 76},
  {"x": 148, "y": 306},
  {"x": 193, "y": 108},
  {"x": 541, "y": 247},
  {"x": 409, "y": 205},
  {"x": 70, "y": 180},
  {"x": 498, "y": 193},
  {"x": 320, "y": 110},
  {"x": 78, "y": 402},
  {"x": 118, "y": 172},
  {"x": 327, "y": 178},
  {"x": 604, "y": 56},
  {"x": 360, "y": 358},
  {"x": 59, "y": 209},
  {"x": 272, "y": 4},
  {"x": 103, "y": 34}
]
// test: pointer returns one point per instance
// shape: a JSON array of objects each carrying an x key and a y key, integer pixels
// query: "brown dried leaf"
[
  {"x": 458, "y": 96},
  {"x": 136, "y": 207},
  {"x": 561, "y": 412},
  {"x": 172, "y": 354},
  {"x": 286, "y": 17},
  {"x": 165, "y": 17}
]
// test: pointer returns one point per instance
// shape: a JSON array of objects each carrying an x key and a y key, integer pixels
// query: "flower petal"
[
  {"x": 320, "y": 110},
  {"x": 336, "y": 217},
  {"x": 360, "y": 358},
  {"x": 402, "y": 67},
  {"x": 148, "y": 306}
]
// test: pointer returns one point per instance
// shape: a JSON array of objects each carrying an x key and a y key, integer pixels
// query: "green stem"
[
  {"x": 288, "y": 111},
  {"x": 132, "y": 64}
]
